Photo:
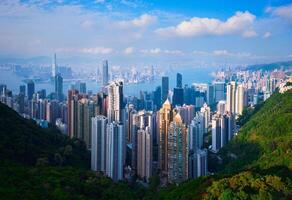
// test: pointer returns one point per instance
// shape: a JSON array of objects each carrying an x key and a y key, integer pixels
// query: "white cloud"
[
  {"x": 240, "y": 23},
  {"x": 281, "y": 11},
  {"x": 141, "y": 21},
  {"x": 200, "y": 53},
  {"x": 267, "y": 35},
  {"x": 161, "y": 51},
  {"x": 174, "y": 52},
  {"x": 88, "y": 50},
  {"x": 151, "y": 51},
  {"x": 231, "y": 54},
  {"x": 97, "y": 50},
  {"x": 129, "y": 50}
]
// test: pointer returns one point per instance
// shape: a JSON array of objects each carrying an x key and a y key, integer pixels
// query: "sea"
[{"x": 190, "y": 76}]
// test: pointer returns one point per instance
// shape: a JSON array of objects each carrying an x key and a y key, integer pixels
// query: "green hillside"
[
  {"x": 265, "y": 140},
  {"x": 44, "y": 164}
]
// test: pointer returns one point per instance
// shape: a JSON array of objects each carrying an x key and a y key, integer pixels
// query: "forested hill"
[
  {"x": 23, "y": 141},
  {"x": 40, "y": 163}
]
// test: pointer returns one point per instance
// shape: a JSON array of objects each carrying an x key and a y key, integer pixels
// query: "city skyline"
[{"x": 140, "y": 33}]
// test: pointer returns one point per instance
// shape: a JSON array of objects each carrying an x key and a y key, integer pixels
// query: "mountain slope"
[
  {"x": 23, "y": 141},
  {"x": 44, "y": 164},
  {"x": 265, "y": 140}
]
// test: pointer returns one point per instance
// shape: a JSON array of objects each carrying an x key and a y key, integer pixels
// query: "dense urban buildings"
[{"x": 167, "y": 132}]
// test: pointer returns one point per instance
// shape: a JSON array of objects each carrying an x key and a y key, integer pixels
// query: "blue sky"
[{"x": 162, "y": 33}]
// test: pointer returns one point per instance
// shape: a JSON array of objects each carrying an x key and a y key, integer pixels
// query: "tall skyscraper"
[
  {"x": 222, "y": 130},
  {"x": 230, "y": 97},
  {"x": 206, "y": 113},
  {"x": 177, "y": 155},
  {"x": 178, "y": 80},
  {"x": 115, "y": 101},
  {"x": 30, "y": 89},
  {"x": 3, "y": 89},
  {"x": 198, "y": 164},
  {"x": 178, "y": 96},
  {"x": 219, "y": 89},
  {"x": 98, "y": 143},
  {"x": 115, "y": 151},
  {"x": 82, "y": 88},
  {"x": 22, "y": 90},
  {"x": 241, "y": 99},
  {"x": 157, "y": 98},
  {"x": 105, "y": 78},
  {"x": 210, "y": 94},
  {"x": 164, "y": 88},
  {"x": 187, "y": 113},
  {"x": 54, "y": 66},
  {"x": 73, "y": 97},
  {"x": 216, "y": 133},
  {"x": 59, "y": 87},
  {"x": 196, "y": 133},
  {"x": 144, "y": 153},
  {"x": 165, "y": 117},
  {"x": 86, "y": 110},
  {"x": 221, "y": 107}
]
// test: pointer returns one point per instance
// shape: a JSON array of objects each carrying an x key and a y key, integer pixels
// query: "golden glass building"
[
  {"x": 165, "y": 117},
  {"x": 177, "y": 151}
]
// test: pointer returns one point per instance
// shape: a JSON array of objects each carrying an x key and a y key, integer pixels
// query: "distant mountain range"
[{"x": 271, "y": 66}]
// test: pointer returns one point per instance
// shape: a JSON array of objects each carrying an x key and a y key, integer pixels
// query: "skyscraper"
[
  {"x": 73, "y": 97},
  {"x": 22, "y": 90},
  {"x": 157, "y": 98},
  {"x": 222, "y": 130},
  {"x": 86, "y": 110},
  {"x": 219, "y": 89},
  {"x": 30, "y": 89},
  {"x": 144, "y": 153},
  {"x": 196, "y": 133},
  {"x": 187, "y": 113},
  {"x": 115, "y": 151},
  {"x": 177, "y": 147},
  {"x": 115, "y": 101},
  {"x": 82, "y": 88},
  {"x": 206, "y": 113},
  {"x": 54, "y": 66},
  {"x": 164, "y": 88},
  {"x": 98, "y": 143},
  {"x": 210, "y": 94},
  {"x": 198, "y": 164},
  {"x": 178, "y": 80},
  {"x": 59, "y": 87},
  {"x": 241, "y": 99},
  {"x": 178, "y": 96},
  {"x": 216, "y": 133},
  {"x": 165, "y": 117},
  {"x": 221, "y": 107},
  {"x": 105, "y": 73},
  {"x": 230, "y": 97}
]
